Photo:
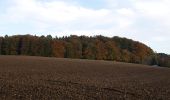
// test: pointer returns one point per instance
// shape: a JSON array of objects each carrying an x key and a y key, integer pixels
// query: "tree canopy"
[{"x": 83, "y": 47}]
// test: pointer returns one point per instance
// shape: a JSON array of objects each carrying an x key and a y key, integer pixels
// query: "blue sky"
[{"x": 147, "y": 21}]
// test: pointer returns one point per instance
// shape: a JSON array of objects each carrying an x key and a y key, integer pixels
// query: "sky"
[{"x": 147, "y": 21}]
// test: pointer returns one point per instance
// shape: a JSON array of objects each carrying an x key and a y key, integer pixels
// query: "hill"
[
  {"x": 83, "y": 47},
  {"x": 43, "y": 78}
]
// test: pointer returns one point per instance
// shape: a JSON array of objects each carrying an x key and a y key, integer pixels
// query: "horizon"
[{"x": 144, "y": 21}]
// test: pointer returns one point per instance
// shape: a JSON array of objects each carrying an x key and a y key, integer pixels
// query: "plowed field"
[{"x": 43, "y": 78}]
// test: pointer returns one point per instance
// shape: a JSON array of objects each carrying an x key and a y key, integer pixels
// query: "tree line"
[{"x": 83, "y": 47}]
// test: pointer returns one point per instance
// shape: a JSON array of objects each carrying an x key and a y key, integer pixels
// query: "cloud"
[
  {"x": 157, "y": 10},
  {"x": 153, "y": 22},
  {"x": 126, "y": 12},
  {"x": 54, "y": 12},
  {"x": 153, "y": 9},
  {"x": 143, "y": 20},
  {"x": 58, "y": 17},
  {"x": 66, "y": 16}
]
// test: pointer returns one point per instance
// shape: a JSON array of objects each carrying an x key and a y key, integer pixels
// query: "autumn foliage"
[{"x": 81, "y": 47}]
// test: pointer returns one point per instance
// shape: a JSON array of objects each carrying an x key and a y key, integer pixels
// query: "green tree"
[
  {"x": 69, "y": 53},
  {"x": 5, "y": 45},
  {"x": 112, "y": 50},
  {"x": 75, "y": 46},
  {"x": 25, "y": 44},
  {"x": 1, "y": 41}
]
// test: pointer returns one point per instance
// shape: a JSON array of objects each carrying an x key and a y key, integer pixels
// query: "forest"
[{"x": 83, "y": 47}]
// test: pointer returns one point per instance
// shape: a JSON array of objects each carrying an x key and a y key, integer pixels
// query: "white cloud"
[
  {"x": 143, "y": 20},
  {"x": 154, "y": 9},
  {"x": 67, "y": 16},
  {"x": 157, "y": 10},
  {"x": 159, "y": 39},
  {"x": 126, "y": 12},
  {"x": 55, "y": 16},
  {"x": 54, "y": 11}
]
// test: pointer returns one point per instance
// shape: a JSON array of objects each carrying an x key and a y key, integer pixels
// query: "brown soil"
[{"x": 42, "y": 78}]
